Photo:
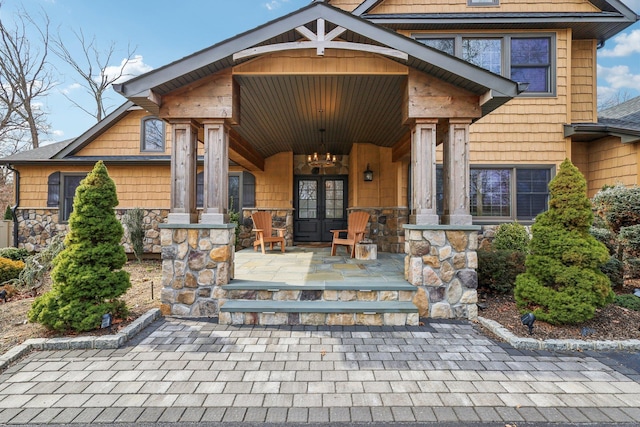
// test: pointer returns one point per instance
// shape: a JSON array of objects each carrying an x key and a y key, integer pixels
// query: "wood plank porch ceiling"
[{"x": 285, "y": 112}]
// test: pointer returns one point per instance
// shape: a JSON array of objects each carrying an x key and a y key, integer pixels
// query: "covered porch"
[{"x": 320, "y": 79}]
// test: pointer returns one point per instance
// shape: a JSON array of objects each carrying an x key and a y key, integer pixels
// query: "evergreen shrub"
[
  {"x": 511, "y": 236},
  {"x": 563, "y": 283},
  {"x": 87, "y": 277},
  {"x": 10, "y": 269},
  {"x": 16, "y": 254},
  {"x": 8, "y": 214},
  {"x": 498, "y": 269},
  {"x": 629, "y": 301}
]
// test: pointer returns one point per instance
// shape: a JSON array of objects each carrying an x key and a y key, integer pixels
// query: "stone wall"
[
  {"x": 282, "y": 218},
  {"x": 385, "y": 227},
  {"x": 36, "y": 228},
  {"x": 197, "y": 259},
  {"x": 441, "y": 262}
]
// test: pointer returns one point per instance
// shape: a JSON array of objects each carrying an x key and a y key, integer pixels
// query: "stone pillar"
[
  {"x": 423, "y": 172},
  {"x": 197, "y": 261},
  {"x": 183, "y": 172},
  {"x": 441, "y": 262},
  {"x": 456, "y": 173},
  {"x": 216, "y": 171}
]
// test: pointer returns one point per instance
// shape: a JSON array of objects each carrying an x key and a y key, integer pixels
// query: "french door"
[{"x": 320, "y": 206}]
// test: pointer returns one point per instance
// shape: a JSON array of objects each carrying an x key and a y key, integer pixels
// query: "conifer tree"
[
  {"x": 87, "y": 276},
  {"x": 563, "y": 283}
]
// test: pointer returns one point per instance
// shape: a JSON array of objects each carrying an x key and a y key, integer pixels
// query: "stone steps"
[{"x": 320, "y": 303}]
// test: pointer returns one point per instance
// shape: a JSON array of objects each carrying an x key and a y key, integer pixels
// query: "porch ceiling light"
[{"x": 316, "y": 160}]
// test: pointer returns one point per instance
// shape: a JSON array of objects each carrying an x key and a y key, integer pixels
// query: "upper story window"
[
  {"x": 519, "y": 57},
  {"x": 152, "y": 134},
  {"x": 483, "y": 2}
]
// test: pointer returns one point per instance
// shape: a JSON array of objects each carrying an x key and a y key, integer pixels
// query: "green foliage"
[
  {"x": 9, "y": 269},
  {"x": 511, "y": 236},
  {"x": 14, "y": 253},
  {"x": 8, "y": 214},
  {"x": 629, "y": 301},
  {"x": 619, "y": 206},
  {"x": 38, "y": 265},
  {"x": 606, "y": 237},
  {"x": 87, "y": 276},
  {"x": 133, "y": 219},
  {"x": 498, "y": 269},
  {"x": 614, "y": 270},
  {"x": 563, "y": 283}
]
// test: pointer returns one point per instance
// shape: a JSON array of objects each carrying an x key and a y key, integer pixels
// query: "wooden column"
[
  {"x": 423, "y": 172},
  {"x": 456, "y": 173},
  {"x": 183, "y": 172},
  {"x": 216, "y": 173}
]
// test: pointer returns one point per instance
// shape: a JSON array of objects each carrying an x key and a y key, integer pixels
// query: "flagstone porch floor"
[{"x": 315, "y": 265}]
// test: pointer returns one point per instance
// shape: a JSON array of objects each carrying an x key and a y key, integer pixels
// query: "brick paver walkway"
[{"x": 187, "y": 370}]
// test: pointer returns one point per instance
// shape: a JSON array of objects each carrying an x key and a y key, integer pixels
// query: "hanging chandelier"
[{"x": 321, "y": 160}]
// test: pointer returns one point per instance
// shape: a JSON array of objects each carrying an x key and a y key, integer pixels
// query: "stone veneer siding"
[
  {"x": 36, "y": 227},
  {"x": 441, "y": 262},
  {"x": 197, "y": 260},
  {"x": 282, "y": 218}
]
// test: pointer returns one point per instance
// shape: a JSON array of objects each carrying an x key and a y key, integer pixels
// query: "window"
[
  {"x": 152, "y": 134},
  {"x": 524, "y": 59},
  {"x": 238, "y": 199},
  {"x": 503, "y": 193},
  {"x": 61, "y": 191},
  {"x": 483, "y": 2}
]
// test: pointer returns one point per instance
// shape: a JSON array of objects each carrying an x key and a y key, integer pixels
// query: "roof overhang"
[
  {"x": 147, "y": 90},
  {"x": 589, "y": 132}
]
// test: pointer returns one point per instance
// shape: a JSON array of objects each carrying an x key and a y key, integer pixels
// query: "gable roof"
[
  {"x": 143, "y": 89},
  {"x": 614, "y": 17}
]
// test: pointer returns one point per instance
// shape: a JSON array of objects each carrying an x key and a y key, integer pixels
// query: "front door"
[{"x": 321, "y": 206}]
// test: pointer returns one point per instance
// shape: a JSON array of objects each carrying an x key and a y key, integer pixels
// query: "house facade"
[{"x": 462, "y": 109}]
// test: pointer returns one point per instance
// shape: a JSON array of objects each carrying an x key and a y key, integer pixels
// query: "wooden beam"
[
  {"x": 402, "y": 148},
  {"x": 243, "y": 154}
]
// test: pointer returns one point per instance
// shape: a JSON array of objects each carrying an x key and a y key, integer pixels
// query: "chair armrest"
[
  {"x": 280, "y": 231},
  {"x": 336, "y": 233}
]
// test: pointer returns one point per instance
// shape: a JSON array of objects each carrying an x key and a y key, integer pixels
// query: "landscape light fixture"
[{"x": 527, "y": 320}]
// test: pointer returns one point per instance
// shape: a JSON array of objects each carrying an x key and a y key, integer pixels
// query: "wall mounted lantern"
[{"x": 368, "y": 174}]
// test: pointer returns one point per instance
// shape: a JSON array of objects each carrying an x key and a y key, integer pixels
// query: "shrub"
[
  {"x": 9, "y": 269},
  {"x": 14, "y": 253},
  {"x": 606, "y": 237},
  {"x": 511, "y": 236},
  {"x": 87, "y": 278},
  {"x": 133, "y": 219},
  {"x": 614, "y": 270},
  {"x": 629, "y": 301},
  {"x": 38, "y": 265},
  {"x": 498, "y": 269},
  {"x": 563, "y": 283},
  {"x": 8, "y": 214}
]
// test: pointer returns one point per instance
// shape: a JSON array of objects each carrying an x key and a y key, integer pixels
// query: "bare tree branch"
[
  {"x": 25, "y": 77},
  {"x": 92, "y": 69}
]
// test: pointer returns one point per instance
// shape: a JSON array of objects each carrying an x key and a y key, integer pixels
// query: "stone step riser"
[
  {"x": 319, "y": 319},
  {"x": 319, "y": 295}
]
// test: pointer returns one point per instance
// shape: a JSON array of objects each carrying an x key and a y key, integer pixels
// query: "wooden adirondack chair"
[
  {"x": 356, "y": 227},
  {"x": 264, "y": 230}
]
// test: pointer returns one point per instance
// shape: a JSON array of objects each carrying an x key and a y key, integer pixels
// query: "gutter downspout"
[{"x": 16, "y": 176}]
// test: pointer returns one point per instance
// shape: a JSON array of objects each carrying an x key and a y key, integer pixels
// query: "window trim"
[
  {"x": 482, "y": 220},
  {"x": 143, "y": 122},
  {"x": 513, "y": 190},
  {"x": 62, "y": 195},
  {"x": 506, "y": 53}
]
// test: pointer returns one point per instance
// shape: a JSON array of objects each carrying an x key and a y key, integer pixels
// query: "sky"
[{"x": 163, "y": 31}]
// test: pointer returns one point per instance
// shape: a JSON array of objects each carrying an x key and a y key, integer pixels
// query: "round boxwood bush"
[{"x": 511, "y": 236}]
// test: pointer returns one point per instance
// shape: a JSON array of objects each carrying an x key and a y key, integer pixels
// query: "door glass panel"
[
  {"x": 333, "y": 199},
  {"x": 307, "y": 199}
]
